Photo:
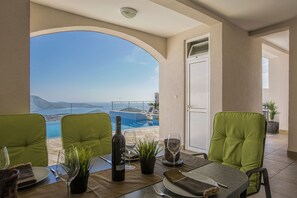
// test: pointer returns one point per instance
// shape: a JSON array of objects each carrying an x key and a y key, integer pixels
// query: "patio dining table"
[{"x": 139, "y": 185}]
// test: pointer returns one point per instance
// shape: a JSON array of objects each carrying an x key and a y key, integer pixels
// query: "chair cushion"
[
  {"x": 238, "y": 142},
  {"x": 92, "y": 130},
  {"x": 25, "y": 137}
]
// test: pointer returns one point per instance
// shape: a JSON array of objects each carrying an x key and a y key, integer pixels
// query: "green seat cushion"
[
  {"x": 238, "y": 142},
  {"x": 25, "y": 137},
  {"x": 93, "y": 130}
]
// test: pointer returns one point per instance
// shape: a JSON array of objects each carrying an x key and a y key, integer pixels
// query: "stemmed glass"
[
  {"x": 4, "y": 158},
  {"x": 130, "y": 139},
  {"x": 173, "y": 145},
  {"x": 67, "y": 166}
]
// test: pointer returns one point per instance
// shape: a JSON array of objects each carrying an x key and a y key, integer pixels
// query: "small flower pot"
[
  {"x": 79, "y": 184},
  {"x": 272, "y": 127},
  {"x": 147, "y": 166}
]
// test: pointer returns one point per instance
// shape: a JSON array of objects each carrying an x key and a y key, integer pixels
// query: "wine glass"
[
  {"x": 4, "y": 158},
  {"x": 173, "y": 145},
  {"x": 130, "y": 139},
  {"x": 68, "y": 166}
]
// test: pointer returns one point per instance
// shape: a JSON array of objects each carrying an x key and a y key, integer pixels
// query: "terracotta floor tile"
[
  {"x": 282, "y": 169},
  {"x": 283, "y": 188},
  {"x": 261, "y": 194},
  {"x": 288, "y": 174},
  {"x": 277, "y": 156}
]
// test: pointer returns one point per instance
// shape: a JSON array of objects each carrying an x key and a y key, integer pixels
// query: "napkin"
[
  {"x": 192, "y": 186},
  {"x": 26, "y": 175}
]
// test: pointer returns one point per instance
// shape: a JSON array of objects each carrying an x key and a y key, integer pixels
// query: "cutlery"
[
  {"x": 105, "y": 159},
  {"x": 222, "y": 185},
  {"x": 55, "y": 173},
  {"x": 219, "y": 184},
  {"x": 160, "y": 193}
]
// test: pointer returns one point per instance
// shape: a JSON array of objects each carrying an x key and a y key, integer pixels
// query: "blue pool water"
[{"x": 54, "y": 128}]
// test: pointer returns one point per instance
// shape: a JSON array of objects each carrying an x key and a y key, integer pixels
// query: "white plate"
[
  {"x": 177, "y": 190},
  {"x": 40, "y": 174}
]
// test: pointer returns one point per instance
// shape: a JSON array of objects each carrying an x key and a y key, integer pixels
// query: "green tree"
[{"x": 155, "y": 105}]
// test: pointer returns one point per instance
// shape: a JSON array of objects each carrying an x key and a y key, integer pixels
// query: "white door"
[{"x": 197, "y": 113}]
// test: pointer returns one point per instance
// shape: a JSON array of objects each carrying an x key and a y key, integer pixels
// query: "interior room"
[{"x": 220, "y": 63}]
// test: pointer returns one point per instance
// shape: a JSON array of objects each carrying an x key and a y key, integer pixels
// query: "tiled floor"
[{"x": 282, "y": 169}]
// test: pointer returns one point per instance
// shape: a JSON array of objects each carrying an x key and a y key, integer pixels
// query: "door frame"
[{"x": 186, "y": 121}]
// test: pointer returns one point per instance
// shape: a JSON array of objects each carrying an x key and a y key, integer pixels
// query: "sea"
[{"x": 99, "y": 107}]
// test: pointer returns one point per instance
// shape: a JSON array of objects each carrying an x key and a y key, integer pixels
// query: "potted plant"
[
  {"x": 272, "y": 125},
  {"x": 147, "y": 151},
  {"x": 155, "y": 105},
  {"x": 80, "y": 183}
]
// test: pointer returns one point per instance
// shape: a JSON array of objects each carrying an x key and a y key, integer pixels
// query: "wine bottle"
[{"x": 118, "y": 153}]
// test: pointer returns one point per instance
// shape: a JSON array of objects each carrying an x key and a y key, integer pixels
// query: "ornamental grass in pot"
[
  {"x": 272, "y": 124},
  {"x": 80, "y": 183},
  {"x": 147, "y": 151}
]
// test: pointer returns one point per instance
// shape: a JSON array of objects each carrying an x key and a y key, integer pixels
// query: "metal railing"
[{"x": 132, "y": 106}]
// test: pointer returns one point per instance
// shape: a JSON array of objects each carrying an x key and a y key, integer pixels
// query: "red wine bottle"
[{"x": 118, "y": 153}]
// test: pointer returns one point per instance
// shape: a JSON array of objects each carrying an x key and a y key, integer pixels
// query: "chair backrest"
[
  {"x": 93, "y": 130},
  {"x": 24, "y": 135},
  {"x": 238, "y": 141}
]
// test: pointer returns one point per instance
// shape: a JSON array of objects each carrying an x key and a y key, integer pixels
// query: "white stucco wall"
[
  {"x": 242, "y": 70},
  {"x": 14, "y": 57},
  {"x": 292, "y": 87}
]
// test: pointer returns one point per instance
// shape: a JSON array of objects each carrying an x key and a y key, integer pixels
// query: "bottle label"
[{"x": 120, "y": 167}]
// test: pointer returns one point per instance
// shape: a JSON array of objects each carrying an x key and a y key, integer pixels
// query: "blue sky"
[{"x": 91, "y": 67}]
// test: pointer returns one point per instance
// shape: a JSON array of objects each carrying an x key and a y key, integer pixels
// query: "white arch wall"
[
  {"x": 45, "y": 20},
  {"x": 23, "y": 19}
]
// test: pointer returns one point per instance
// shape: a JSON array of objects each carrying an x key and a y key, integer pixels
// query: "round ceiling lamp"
[{"x": 128, "y": 12}]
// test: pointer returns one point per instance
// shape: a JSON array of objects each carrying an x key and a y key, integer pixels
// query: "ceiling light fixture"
[{"x": 128, "y": 12}]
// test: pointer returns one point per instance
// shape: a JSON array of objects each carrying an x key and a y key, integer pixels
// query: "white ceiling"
[
  {"x": 252, "y": 14},
  {"x": 281, "y": 39},
  {"x": 151, "y": 17},
  {"x": 161, "y": 21}
]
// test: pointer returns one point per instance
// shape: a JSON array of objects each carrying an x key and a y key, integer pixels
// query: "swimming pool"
[{"x": 54, "y": 128}]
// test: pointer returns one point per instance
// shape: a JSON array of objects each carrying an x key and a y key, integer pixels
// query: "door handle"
[{"x": 188, "y": 107}]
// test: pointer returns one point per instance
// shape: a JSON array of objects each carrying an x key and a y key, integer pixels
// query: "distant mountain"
[{"x": 38, "y": 103}]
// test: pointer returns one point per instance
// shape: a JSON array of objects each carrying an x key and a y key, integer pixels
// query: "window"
[
  {"x": 198, "y": 47},
  {"x": 265, "y": 73}
]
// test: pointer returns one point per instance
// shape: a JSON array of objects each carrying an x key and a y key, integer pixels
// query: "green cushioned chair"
[
  {"x": 238, "y": 141},
  {"x": 25, "y": 138},
  {"x": 92, "y": 130}
]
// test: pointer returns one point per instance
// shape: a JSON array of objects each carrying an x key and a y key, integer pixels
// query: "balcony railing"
[{"x": 132, "y": 106}]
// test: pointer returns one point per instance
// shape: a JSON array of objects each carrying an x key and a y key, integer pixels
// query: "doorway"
[
  {"x": 197, "y": 95},
  {"x": 275, "y": 77}
]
